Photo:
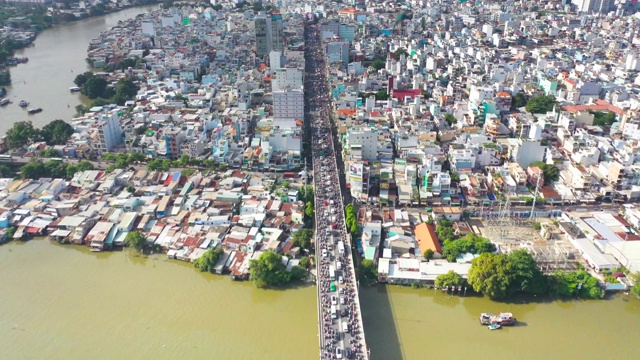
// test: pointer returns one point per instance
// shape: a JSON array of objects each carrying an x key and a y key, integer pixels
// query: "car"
[
  {"x": 324, "y": 253},
  {"x": 348, "y": 353},
  {"x": 341, "y": 291},
  {"x": 334, "y": 300},
  {"x": 338, "y": 353},
  {"x": 340, "y": 279},
  {"x": 342, "y": 300}
]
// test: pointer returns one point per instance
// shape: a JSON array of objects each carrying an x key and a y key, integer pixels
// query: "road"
[{"x": 341, "y": 332}]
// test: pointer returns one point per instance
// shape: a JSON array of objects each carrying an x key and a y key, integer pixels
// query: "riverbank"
[
  {"x": 26, "y": 21},
  {"x": 58, "y": 55}
]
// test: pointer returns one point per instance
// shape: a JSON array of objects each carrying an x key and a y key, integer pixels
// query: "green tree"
[
  {"x": 33, "y": 170},
  {"x": 368, "y": 271},
  {"x": 126, "y": 89},
  {"x": 94, "y": 87},
  {"x": 576, "y": 283},
  {"x": 382, "y": 95},
  {"x": 428, "y": 254},
  {"x": 135, "y": 240},
  {"x": 470, "y": 243},
  {"x": 81, "y": 79},
  {"x": 491, "y": 275},
  {"x": 304, "y": 262},
  {"x": 56, "y": 132},
  {"x": 309, "y": 209},
  {"x": 20, "y": 134},
  {"x": 536, "y": 226},
  {"x": 449, "y": 279},
  {"x": 71, "y": 171},
  {"x": 541, "y": 104},
  {"x": 208, "y": 260},
  {"x": 450, "y": 119},
  {"x": 527, "y": 276},
  {"x": 131, "y": 189},
  {"x": 302, "y": 238},
  {"x": 518, "y": 100},
  {"x": 603, "y": 119},
  {"x": 550, "y": 172},
  {"x": 298, "y": 273},
  {"x": 268, "y": 270},
  {"x": 6, "y": 171},
  {"x": 378, "y": 64}
]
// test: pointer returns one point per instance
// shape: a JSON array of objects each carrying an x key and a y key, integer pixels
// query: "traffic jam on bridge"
[{"x": 341, "y": 329}]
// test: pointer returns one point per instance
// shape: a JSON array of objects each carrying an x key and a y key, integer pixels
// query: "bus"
[
  {"x": 341, "y": 247},
  {"x": 6, "y": 158},
  {"x": 332, "y": 272}
]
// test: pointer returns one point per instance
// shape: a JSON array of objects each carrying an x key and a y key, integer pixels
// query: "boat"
[
  {"x": 502, "y": 319},
  {"x": 23, "y": 104},
  {"x": 4, "y": 101},
  {"x": 75, "y": 89},
  {"x": 34, "y": 110},
  {"x": 494, "y": 327}
]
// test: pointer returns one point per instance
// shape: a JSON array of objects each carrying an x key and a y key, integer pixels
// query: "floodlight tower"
[{"x": 535, "y": 197}]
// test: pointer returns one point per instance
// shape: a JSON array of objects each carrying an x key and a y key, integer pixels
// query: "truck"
[
  {"x": 289, "y": 175},
  {"x": 332, "y": 272},
  {"x": 341, "y": 247}
]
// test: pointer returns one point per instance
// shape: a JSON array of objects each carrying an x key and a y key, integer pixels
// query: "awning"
[{"x": 61, "y": 232}]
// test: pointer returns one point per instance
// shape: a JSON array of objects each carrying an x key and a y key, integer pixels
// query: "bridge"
[{"x": 340, "y": 327}]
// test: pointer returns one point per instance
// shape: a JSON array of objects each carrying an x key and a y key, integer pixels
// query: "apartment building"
[{"x": 288, "y": 103}]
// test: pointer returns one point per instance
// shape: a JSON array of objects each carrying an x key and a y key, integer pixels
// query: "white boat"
[
  {"x": 74, "y": 89},
  {"x": 4, "y": 101},
  {"x": 494, "y": 327}
]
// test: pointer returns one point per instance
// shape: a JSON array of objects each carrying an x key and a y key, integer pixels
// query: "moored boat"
[
  {"x": 74, "y": 89},
  {"x": 4, "y": 101},
  {"x": 502, "y": 319},
  {"x": 34, "y": 110},
  {"x": 494, "y": 327},
  {"x": 23, "y": 104}
]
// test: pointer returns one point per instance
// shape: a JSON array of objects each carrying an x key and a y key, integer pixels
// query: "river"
[
  {"x": 64, "y": 302},
  {"x": 55, "y": 58},
  {"x": 406, "y": 323}
]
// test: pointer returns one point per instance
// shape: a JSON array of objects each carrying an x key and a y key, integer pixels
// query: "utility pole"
[{"x": 535, "y": 197}]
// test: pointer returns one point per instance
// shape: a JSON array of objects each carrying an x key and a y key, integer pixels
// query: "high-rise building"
[
  {"x": 109, "y": 132},
  {"x": 277, "y": 32},
  {"x": 288, "y": 103},
  {"x": 263, "y": 30}
]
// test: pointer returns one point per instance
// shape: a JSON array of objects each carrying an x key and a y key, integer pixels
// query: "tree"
[
  {"x": 470, "y": 243},
  {"x": 309, "y": 209},
  {"x": 304, "y": 262},
  {"x": 428, "y": 254},
  {"x": 550, "y": 172},
  {"x": 57, "y": 132},
  {"x": 536, "y": 226},
  {"x": 577, "y": 283},
  {"x": 382, "y": 95},
  {"x": 167, "y": 4},
  {"x": 126, "y": 89},
  {"x": 450, "y": 119},
  {"x": 518, "y": 100},
  {"x": 491, "y": 275},
  {"x": 541, "y": 104},
  {"x": 603, "y": 119},
  {"x": 81, "y": 79},
  {"x": 302, "y": 238},
  {"x": 208, "y": 260},
  {"x": 20, "y": 134},
  {"x": 298, "y": 273},
  {"x": 135, "y": 240},
  {"x": 368, "y": 271},
  {"x": 527, "y": 276},
  {"x": 33, "y": 170},
  {"x": 378, "y": 64},
  {"x": 449, "y": 279},
  {"x": 94, "y": 87},
  {"x": 131, "y": 189},
  {"x": 268, "y": 270}
]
